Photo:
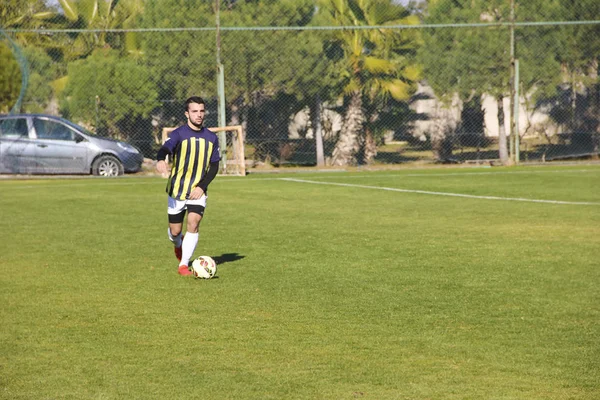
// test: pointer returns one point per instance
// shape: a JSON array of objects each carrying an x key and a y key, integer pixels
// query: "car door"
[
  {"x": 17, "y": 149},
  {"x": 59, "y": 149}
]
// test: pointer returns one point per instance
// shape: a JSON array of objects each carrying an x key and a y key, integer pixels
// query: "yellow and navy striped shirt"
[{"x": 192, "y": 152}]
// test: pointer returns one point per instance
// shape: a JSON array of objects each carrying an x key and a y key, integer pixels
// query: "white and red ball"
[{"x": 204, "y": 267}]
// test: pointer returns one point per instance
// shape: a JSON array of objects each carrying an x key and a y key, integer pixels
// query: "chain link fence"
[{"x": 447, "y": 85}]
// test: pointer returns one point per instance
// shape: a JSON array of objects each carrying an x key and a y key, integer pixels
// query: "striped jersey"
[{"x": 192, "y": 152}]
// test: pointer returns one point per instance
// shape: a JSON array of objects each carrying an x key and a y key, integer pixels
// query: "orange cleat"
[{"x": 184, "y": 270}]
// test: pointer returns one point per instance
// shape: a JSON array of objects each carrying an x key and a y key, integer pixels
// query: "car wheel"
[{"x": 107, "y": 166}]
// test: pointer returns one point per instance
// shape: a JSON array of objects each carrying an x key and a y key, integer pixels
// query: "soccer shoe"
[
  {"x": 184, "y": 270},
  {"x": 178, "y": 250}
]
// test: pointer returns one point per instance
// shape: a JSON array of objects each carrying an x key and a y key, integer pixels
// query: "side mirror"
[{"x": 79, "y": 138}]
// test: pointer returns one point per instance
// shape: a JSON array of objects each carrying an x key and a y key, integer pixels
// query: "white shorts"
[{"x": 177, "y": 206}]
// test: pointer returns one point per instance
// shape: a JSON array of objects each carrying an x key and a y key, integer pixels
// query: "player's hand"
[
  {"x": 196, "y": 193},
  {"x": 161, "y": 167}
]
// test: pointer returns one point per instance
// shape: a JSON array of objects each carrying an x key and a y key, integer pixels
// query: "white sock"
[
  {"x": 175, "y": 239},
  {"x": 188, "y": 246}
]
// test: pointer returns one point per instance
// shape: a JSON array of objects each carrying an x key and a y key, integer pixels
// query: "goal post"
[{"x": 232, "y": 156}]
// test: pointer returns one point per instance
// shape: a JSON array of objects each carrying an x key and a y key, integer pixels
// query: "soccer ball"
[{"x": 204, "y": 267}]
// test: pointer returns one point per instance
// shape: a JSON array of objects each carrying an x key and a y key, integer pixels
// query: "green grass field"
[{"x": 408, "y": 284}]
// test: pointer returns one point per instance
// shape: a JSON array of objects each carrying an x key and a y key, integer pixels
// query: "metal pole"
[
  {"x": 221, "y": 90},
  {"x": 318, "y": 132},
  {"x": 97, "y": 113},
  {"x": 516, "y": 112},
  {"x": 512, "y": 79}
]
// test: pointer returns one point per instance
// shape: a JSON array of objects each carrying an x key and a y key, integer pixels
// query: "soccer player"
[{"x": 194, "y": 164}]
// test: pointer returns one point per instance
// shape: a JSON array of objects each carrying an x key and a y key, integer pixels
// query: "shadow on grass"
[
  {"x": 227, "y": 257},
  {"x": 394, "y": 157}
]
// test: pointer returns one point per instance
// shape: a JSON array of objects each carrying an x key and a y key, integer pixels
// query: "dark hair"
[{"x": 193, "y": 99}]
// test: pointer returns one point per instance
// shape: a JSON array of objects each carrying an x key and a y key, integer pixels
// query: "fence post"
[
  {"x": 97, "y": 113},
  {"x": 512, "y": 81},
  {"x": 516, "y": 111},
  {"x": 318, "y": 132},
  {"x": 221, "y": 89}
]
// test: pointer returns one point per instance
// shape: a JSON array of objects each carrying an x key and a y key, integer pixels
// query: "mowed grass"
[{"x": 324, "y": 291}]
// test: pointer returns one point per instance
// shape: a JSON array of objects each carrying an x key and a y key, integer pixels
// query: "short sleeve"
[{"x": 172, "y": 141}]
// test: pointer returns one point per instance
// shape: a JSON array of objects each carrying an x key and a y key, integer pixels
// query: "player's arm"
[
  {"x": 161, "y": 164},
  {"x": 161, "y": 156},
  {"x": 209, "y": 176},
  {"x": 200, "y": 189},
  {"x": 215, "y": 159}
]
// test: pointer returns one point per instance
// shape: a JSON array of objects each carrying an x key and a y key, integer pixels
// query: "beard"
[{"x": 197, "y": 125}]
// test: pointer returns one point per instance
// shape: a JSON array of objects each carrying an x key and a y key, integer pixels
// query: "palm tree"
[
  {"x": 27, "y": 14},
  {"x": 375, "y": 66},
  {"x": 98, "y": 15},
  {"x": 101, "y": 15}
]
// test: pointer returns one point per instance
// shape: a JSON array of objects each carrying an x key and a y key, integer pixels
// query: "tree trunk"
[
  {"x": 594, "y": 109},
  {"x": 370, "y": 147},
  {"x": 347, "y": 146},
  {"x": 573, "y": 123},
  {"x": 234, "y": 114},
  {"x": 440, "y": 129},
  {"x": 438, "y": 148},
  {"x": 502, "y": 150},
  {"x": 317, "y": 131}
]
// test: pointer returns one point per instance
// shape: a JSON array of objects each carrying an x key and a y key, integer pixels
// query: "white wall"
[{"x": 449, "y": 115}]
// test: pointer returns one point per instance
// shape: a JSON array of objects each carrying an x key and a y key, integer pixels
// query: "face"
[{"x": 195, "y": 115}]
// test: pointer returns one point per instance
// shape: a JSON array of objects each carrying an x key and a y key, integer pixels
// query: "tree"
[
  {"x": 99, "y": 15},
  {"x": 375, "y": 66},
  {"x": 114, "y": 94},
  {"x": 21, "y": 14},
  {"x": 578, "y": 54},
  {"x": 471, "y": 62},
  {"x": 42, "y": 69},
  {"x": 181, "y": 63},
  {"x": 10, "y": 78},
  {"x": 24, "y": 13},
  {"x": 48, "y": 72},
  {"x": 265, "y": 70}
]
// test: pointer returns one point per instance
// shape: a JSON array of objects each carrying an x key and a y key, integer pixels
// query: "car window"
[
  {"x": 13, "y": 127},
  {"x": 79, "y": 128},
  {"x": 48, "y": 129}
]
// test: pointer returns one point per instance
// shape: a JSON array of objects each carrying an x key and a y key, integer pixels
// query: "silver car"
[{"x": 44, "y": 144}]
